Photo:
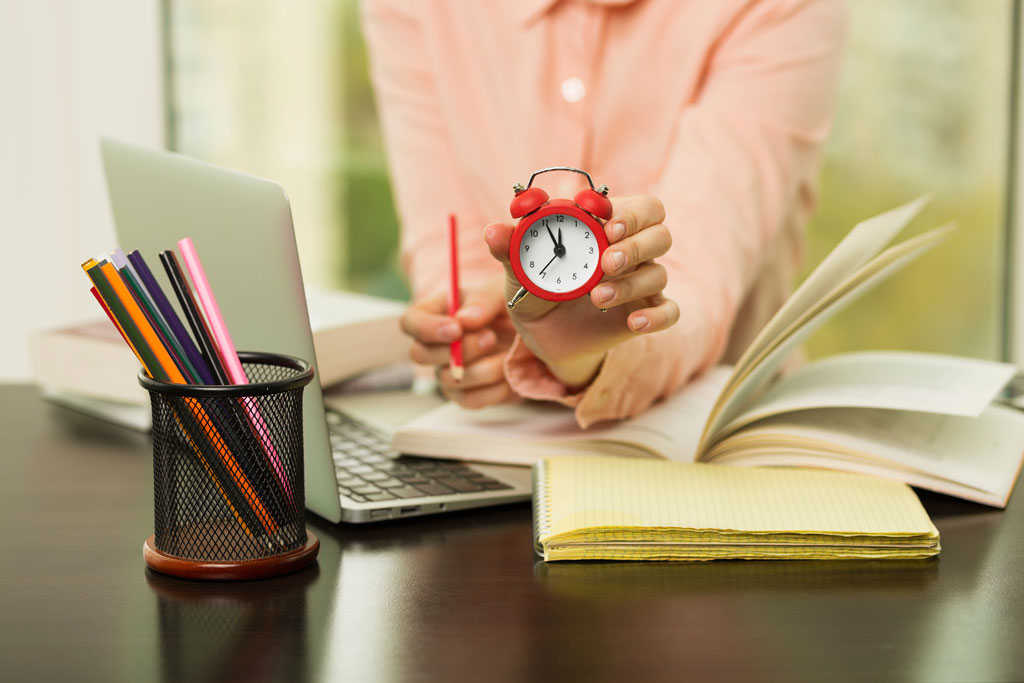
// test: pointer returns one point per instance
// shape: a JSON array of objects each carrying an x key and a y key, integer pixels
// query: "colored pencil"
[
  {"x": 156, "y": 293},
  {"x": 455, "y": 350},
  {"x": 99, "y": 279},
  {"x": 171, "y": 374},
  {"x": 190, "y": 307},
  {"x": 113, "y": 321},
  {"x": 243, "y": 424},
  {"x": 159, "y": 326},
  {"x": 208, "y": 304},
  {"x": 113, "y": 304},
  {"x": 156, "y": 318},
  {"x": 228, "y": 354}
]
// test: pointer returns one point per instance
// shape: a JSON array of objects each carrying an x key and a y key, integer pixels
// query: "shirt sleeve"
[
  {"x": 425, "y": 176},
  {"x": 745, "y": 153}
]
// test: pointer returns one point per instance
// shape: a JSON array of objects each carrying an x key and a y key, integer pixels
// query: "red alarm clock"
[{"x": 557, "y": 245}]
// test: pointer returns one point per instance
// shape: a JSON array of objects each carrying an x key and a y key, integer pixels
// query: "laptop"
[{"x": 242, "y": 227}]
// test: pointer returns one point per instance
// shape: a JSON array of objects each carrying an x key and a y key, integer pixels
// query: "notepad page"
[{"x": 616, "y": 493}]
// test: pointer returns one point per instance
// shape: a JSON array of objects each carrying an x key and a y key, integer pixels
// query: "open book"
[{"x": 926, "y": 420}]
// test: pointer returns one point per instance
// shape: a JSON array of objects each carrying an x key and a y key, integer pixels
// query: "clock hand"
[
  {"x": 552, "y": 236},
  {"x": 559, "y": 249},
  {"x": 548, "y": 264}
]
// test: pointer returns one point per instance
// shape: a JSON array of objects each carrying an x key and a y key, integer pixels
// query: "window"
[
  {"x": 282, "y": 90},
  {"x": 923, "y": 107}
]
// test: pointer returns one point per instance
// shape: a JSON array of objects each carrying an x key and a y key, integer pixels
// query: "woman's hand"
[
  {"x": 486, "y": 332},
  {"x": 572, "y": 337}
]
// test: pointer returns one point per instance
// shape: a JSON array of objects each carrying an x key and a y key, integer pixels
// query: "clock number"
[
  {"x": 534, "y": 233},
  {"x": 590, "y": 250},
  {"x": 574, "y": 276},
  {"x": 586, "y": 265},
  {"x": 558, "y": 281},
  {"x": 531, "y": 264},
  {"x": 586, "y": 235},
  {"x": 559, "y": 218},
  {"x": 526, "y": 247}
]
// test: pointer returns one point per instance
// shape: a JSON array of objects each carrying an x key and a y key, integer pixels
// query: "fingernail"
[
  {"x": 638, "y": 322},
  {"x": 487, "y": 339},
  {"x": 616, "y": 259},
  {"x": 603, "y": 293},
  {"x": 449, "y": 331},
  {"x": 616, "y": 231}
]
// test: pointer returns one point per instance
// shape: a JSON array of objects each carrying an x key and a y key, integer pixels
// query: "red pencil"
[{"x": 453, "y": 295}]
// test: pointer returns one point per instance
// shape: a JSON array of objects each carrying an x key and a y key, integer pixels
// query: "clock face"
[{"x": 559, "y": 253}]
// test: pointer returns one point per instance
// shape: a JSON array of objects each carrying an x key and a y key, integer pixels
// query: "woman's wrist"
[{"x": 577, "y": 372}]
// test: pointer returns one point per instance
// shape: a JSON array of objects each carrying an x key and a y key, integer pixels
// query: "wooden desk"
[{"x": 463, "y": 597}]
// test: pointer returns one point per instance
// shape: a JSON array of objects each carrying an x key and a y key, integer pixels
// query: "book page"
[
  {"x": 743, "y": 387},
  {"x": 681, "y": 417},
  {"x": 896, "y": 380},
  {"x": 983, "y": 452},
  {"x": 859, "y": 246},
  {"x": 523, "y": 433}
]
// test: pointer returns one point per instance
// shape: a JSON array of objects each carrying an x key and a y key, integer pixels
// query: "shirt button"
[{"x": 573, "y": 90}]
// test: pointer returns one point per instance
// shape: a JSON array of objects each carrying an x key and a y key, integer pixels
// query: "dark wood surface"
[{"x": 463, "y": 597}]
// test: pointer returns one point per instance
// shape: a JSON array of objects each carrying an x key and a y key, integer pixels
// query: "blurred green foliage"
[
  {"x": 946, "y": 302},
  {"x": 367, "y": 213},
  {"x": 923, "y": 108}
]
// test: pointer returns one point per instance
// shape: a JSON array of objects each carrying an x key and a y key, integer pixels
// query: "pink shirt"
[{"x": 717, "y": 107}]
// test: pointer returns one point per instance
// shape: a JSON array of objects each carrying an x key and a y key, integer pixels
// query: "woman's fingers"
[
  {"x": 646, "y": 281},
  {"x": 658, "y": 317},
  {"x": 426, "y": 322},
  {"x": 629, "y": 253},
  {"x": 497, "y": 236},
  {"x": 481, "y": 397},
  {"x": 487, "y": 371},
  {"x": 479, "y": 308},
  {"x": 630, "y": 215},
  {"x": 474, "y": 346}
]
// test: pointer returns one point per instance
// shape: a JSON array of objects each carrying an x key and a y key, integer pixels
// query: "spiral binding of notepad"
[{"x": 541, "y": 510}]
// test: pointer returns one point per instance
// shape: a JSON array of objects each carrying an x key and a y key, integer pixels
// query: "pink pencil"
[{"x": 228, "y": 354}]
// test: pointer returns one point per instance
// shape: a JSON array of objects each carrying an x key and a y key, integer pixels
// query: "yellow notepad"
[{"x": 602, "y": 508}]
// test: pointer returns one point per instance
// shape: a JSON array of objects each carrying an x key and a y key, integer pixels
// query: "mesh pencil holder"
[{"x": 228, "y": 490}]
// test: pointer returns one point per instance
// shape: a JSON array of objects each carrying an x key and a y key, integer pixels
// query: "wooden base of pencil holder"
[{"x": 263, "y": 568}]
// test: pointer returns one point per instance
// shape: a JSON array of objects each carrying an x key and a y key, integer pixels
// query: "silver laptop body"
[{"x": 242, "y": 228}]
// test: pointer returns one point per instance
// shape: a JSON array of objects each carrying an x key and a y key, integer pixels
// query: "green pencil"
[
  {"x": 106, "y": 290},
  {"x": 161, "y": 327}
]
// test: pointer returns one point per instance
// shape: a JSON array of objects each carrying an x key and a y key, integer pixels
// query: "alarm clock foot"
[{"x": 516, "y": 298}]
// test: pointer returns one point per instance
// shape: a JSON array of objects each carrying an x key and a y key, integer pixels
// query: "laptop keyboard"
[{"x": 369, "y": 471}]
